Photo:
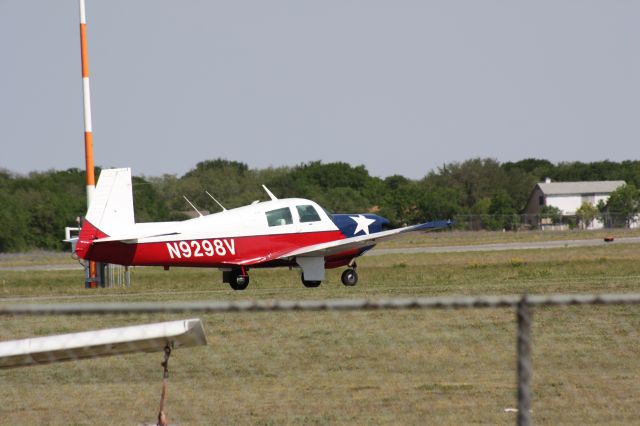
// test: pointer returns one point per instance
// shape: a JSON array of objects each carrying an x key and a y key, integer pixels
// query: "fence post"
[{"x": 524, "y": 362}]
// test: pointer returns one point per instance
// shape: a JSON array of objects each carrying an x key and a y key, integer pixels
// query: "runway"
[{"x": 503, "y": 246}]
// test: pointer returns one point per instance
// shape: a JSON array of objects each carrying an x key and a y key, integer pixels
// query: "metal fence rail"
[{"x": 458, "y": 302}]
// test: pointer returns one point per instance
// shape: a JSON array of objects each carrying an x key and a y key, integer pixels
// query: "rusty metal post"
[
  {"x": 162, "y": 417},
  {"x": 524, "y": 362}
]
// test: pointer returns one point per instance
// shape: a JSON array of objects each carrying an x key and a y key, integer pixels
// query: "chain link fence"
[
  {"x": 399, "y": 360},
  {"x": 526, "y": 222}
]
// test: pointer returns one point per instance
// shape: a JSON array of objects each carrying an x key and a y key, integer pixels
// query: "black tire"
[
  {"x": 239, "y": 282},
  {"x": 349, "y": 277},
  {"x": 310, "y": 284}
]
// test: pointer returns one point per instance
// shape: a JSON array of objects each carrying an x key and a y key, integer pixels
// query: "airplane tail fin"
[{"x": 111, "y": 209}]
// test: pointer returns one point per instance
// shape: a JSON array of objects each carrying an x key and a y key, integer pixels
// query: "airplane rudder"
[{"x": 112, "y": 205}]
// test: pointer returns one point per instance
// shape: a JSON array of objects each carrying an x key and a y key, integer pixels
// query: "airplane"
[{"x": 291, "y": 232}]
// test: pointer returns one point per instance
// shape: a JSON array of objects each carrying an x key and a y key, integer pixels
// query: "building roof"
[{"x": 567, "y": 188}]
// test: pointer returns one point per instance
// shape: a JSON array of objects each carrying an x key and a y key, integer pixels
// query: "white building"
[{"x": 569, "y": 196}]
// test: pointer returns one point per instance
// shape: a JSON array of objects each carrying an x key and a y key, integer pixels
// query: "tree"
[
  {"x": 218, "y": 164},
  {"x": 552, "y": 213},
  {"x": 14, "y": 231},
  {"x": 398, "y": 197},
  {"x": 503, "y": 213},
  {"x": 624, "y": 204},
  {"x": 538, "y": 168},
  {"x": 149, "y": 206},
  {"x": 518, "y": 185},
  {"x": 474, "y": 179},
  {"x": 336, "y": 186},
  {"x": 438, "y": 203},
  {"x": 586, "y": 214}
]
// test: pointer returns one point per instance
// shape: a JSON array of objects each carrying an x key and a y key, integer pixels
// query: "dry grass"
[
  {"x": 36, "y": 257},
  {"x": 408, "y": 367}
]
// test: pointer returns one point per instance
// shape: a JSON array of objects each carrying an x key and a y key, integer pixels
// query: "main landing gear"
[
  {"x": 349, "y": 278},
  {"x": 309, "y": 284},
  {"x": 238, "y": 279}
]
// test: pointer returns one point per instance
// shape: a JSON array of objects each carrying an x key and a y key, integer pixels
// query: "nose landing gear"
[{"x": 350, "y": 277}]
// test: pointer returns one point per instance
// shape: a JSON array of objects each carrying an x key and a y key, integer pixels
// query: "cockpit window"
[
  {"x": 308, "y": 214},
  {"x": 279, "y": 217}
]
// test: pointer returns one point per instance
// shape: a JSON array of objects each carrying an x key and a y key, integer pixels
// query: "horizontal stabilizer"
[{"x": 131, "y": 238}]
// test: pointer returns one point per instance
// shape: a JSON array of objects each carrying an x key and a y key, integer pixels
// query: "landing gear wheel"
[
  {"x": 239, "y": 282},
  {"x": 310, "y": 284},
  {"x": 349, "y": 277}
]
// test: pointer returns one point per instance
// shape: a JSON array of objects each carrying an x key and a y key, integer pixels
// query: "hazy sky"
[{"x": 398, "y": 86}]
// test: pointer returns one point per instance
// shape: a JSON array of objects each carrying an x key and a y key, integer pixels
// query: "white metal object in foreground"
[{"x": 113, "y": 341}]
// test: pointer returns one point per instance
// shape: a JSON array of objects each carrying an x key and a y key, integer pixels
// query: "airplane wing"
[{"x": 360, "y": 241}]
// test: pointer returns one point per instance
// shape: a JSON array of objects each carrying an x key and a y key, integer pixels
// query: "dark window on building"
[{"x": 541, "y": 200}]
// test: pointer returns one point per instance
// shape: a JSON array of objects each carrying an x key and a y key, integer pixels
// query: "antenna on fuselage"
[
  {"x": 217, "y": 202},
  {"x": 192, "y": 206},
  {"x": 273, "y": 197}
]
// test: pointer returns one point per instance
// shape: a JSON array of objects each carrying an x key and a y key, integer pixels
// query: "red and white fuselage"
[{"x": 241, "y": 236}]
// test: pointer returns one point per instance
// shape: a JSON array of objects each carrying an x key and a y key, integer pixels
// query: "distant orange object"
[{"x": 608, "y": 238}]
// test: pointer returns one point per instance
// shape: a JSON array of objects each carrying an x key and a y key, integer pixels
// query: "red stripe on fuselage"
[{"x": 210, "y": 252}]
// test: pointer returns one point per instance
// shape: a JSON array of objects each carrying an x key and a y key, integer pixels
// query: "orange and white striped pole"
[
  {"x": 88, "y": 133},
  {"x": 88, "y": 136}
]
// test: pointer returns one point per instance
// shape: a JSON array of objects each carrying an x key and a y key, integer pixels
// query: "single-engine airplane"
[{"x": 290, "y": 232}]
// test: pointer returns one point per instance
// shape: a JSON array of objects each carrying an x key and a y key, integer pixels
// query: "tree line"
[{"x": 35, "y": 208}]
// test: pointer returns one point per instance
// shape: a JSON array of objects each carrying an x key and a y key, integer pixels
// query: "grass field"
[{"x": 399, "y": 367}]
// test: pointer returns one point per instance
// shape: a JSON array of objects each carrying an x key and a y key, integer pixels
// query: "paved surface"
[
  {"x": 57, "y": 267},
  {"x": 505, "y": 246},
  {"x": 406, "y": 250}
]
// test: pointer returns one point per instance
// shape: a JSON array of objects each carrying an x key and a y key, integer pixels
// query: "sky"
[{"x": 401, "y": 87}]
